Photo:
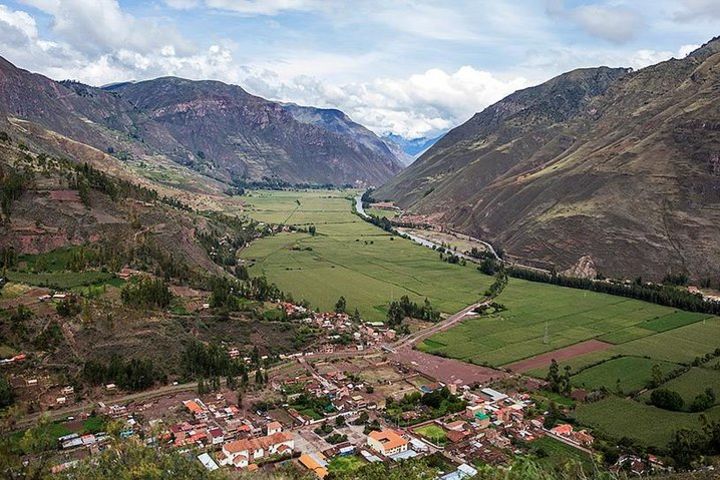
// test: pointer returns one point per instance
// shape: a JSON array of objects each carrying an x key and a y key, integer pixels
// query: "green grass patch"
[
  {"x": 692, "y": 383},
  {"x": 674, "y": 320},
  {"x": 345, "y": 464},
  {"x": 61, "y": 280},
  {"x": 633, "y": 374},
  {"x": 433, "y": 432},
  {"x": 556, "y": 454},
  {"x": 651, "y": 426}
]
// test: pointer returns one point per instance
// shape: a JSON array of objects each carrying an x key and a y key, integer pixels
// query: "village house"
[
  {"x": 387, "y": 442},
  {"x": 241, "y": 453}
]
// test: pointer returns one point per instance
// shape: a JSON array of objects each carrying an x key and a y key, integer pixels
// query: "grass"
[
  {"x": 571, "y": 316},
  {"x": 61, "y": 280},
  {"x": 692, "y": 383},
  {"x": 651, "y": 426},
  {"x": 352, "y": 258},
  {"x": 345, "y": 464},
  {"x": 633, "y": 374},
  {"x": 381, "y": 212},
  {"x": 433, "y": 433},
  {"x": 554, "y": 453}
]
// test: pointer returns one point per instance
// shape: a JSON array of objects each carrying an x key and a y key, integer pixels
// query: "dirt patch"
[
  {"x": 65, "y": 196},
  {"x": 446, "y": 370},
  {"x": 540, "y": 361}
]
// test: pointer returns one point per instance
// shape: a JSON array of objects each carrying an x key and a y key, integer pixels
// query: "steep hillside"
[
  {"x": 239, "y": 136},
  {"x": 174, "y": 125},
  {"x": 617, "y": 165}
]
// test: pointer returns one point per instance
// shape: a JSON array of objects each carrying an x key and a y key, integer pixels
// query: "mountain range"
[
  {"x": 210, "y": 127},
  {"x": 412, "y": 148},
  {"x": 606, "y": 167}
]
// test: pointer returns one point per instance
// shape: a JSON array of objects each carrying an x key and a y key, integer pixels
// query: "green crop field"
[
  {"x": 433, "y": 433},
  {"x": 692, "y": 383},
  {"x": 649, "y": 425},
  {"x": 555, "y": 454},
  {"x": 633, "y": 374},
  {"x": 571, "y": 316},
  {"x": 352, "y": 258}
]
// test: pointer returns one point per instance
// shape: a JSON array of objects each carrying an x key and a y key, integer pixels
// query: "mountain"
[
  {"x": 413, "y": 147},
  {"x": 210, "y": 127},
  {"x": 242, "y": 136},
  {"x": 615, "y": 166}
]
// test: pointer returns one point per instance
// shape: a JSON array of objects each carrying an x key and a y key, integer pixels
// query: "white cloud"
[
  {"x": 98, "y": 25},
  {"x": 419, "y": 105},
  {"x": 704, "y": 10},
  {"x": 686, "y": 50},
  {"x": 616, "y": 24},
  {"x": 249, "y": 7}
]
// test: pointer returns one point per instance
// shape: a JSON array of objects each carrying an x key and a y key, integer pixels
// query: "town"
[{"x": 370, "y": 398}]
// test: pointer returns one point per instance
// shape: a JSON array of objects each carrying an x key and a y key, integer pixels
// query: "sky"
[{"x": 410, "y": 67}]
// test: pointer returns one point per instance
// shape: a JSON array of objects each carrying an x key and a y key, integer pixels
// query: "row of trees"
[
  {"x": 12, "y": 185},
  {"x": 134, "y": 374},
  {"x": 403, "y": 308},
  {"x": 146, "y": 292},
  {"x": 661, "y": 294}
]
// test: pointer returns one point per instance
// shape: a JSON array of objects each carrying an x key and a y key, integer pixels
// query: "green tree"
[
  {"x": 7, "y": 395},
  {"x": 341, "y": 305},
  {"x": 667, "y": 399}
]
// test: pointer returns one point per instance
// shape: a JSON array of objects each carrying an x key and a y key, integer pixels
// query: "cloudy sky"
[{"x": 409, "y": 67}]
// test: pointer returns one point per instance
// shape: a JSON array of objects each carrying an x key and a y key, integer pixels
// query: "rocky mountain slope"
[
  {"x": 216, "y": 129},
  {"x": 240, "y": 136},
  {"x": 620, "y": 166}
]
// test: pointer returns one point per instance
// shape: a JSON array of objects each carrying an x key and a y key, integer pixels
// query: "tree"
[
  {"x": 340, "y": 421},
  {"x": 341, "y": 305},
  {"x": 685, "y": 447},
  {"x": 703, "y": 401},
  {"x": 657, "y": 375},
  {"x": 312, "y": 230},
  {"x": 667, "y": 399},
  {"x": 7, "y": 396},
  {"x": 356, "y": 316}
]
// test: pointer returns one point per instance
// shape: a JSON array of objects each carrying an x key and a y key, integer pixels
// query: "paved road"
[{"x": 411, "y": 340}]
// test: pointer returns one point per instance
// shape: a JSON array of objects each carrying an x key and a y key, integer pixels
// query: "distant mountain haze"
[{"x": 622, "y": 166}]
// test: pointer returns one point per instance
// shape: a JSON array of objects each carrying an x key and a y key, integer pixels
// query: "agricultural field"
[
  {"x": 692, "y": 383},
  {"x": 648, "y": 425},
  {"x": 630, "y": 374},
  {"x": 382, "y": 212},
  {"x": 555, "y": 454},
  {"x": 541, "y": 318},
  {"x": 350, "y": 257}
]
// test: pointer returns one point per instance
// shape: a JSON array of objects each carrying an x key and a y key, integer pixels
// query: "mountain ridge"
[
  {"x": 612, "y": 164},
  {"x": 217, "y": 129}
]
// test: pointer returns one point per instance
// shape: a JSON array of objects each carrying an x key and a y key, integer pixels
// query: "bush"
[{"x": 667, "y": 400}]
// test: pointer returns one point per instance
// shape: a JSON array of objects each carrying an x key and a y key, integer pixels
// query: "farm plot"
[
  {"x": 352, "y": 258},
  {"x": 649, "y": 425},
  {"x": 543, "y": 318},
  {"x": 692, "y": 383},
  {"x": 630, "y": 374}
]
